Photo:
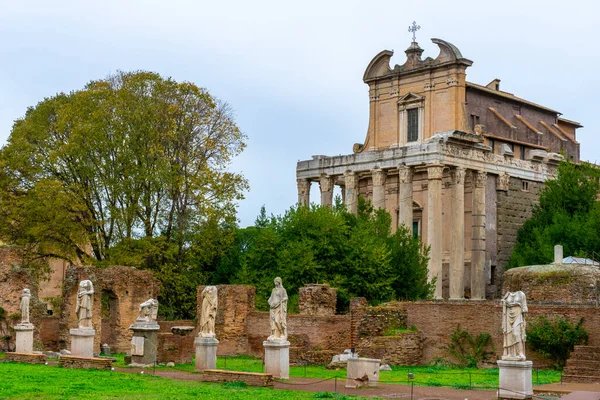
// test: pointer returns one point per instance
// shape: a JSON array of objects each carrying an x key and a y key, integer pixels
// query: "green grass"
[
  {"x": 458, "y": 378},
  {"x": 22, "y": 381}
]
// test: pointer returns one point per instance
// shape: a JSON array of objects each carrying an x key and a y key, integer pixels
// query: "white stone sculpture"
[
  {"x": 514, "y": 306},
  {"x": 278, "y": 314},
  {"x": 208, "y": 312},
  {"x": 148, "y": 311},
  {"x": 24, "y": 306},
  {"x": 83, "y": 309}
]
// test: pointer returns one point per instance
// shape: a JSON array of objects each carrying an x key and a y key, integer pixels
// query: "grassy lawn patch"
[
  {"x": 22, "y": 381},
  {"x": 458, "y": 378}
]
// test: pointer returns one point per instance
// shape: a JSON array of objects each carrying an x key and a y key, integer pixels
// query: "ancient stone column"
[
  {"x": 378, "y": 188},
  {"x": 434, "y": 225},
  {"x": 351, "y": 198},
  {"x": 457, "y": 234},
  {"x": 326, "y": 185},
  {"x": 478, "y": 242},
  {"x": 405, "y": 197},
  {"x": 303, "y": 192}
]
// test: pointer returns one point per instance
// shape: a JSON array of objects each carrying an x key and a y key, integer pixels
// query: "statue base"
[
  {"x": 358, "y": 368},
  {"x": 144, "y": 343},
  {"x": 515, "y": 379},
  {"x": 206, "y": 353},
  {"x": 82, "y": 342},
  {"x": 24, "y": 338},
  {"x": 277, "y": 359}
]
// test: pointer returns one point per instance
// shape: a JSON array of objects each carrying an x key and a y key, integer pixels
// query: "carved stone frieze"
[
  {"x": 429, "y": 86},
  {"x": 502, "y": 182},
  {"x": 451, "y": 81}
]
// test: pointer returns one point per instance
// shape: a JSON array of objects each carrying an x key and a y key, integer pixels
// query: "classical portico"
[{"x": 430, "y": 162}]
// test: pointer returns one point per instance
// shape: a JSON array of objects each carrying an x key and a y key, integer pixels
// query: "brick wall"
[
  {"x": 317, "y": 300},
  {"x": 175, "y": 348},
  {"x": 130, "y": 286},
  {"x": 438, "y": 320},
  {"x": 404, "y": 349},
  {"x": 26, "y": 358},
  {"x": 85, "y": 363}
]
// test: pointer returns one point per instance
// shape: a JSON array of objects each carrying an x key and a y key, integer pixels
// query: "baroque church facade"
[{"x": 458, "y": 163}]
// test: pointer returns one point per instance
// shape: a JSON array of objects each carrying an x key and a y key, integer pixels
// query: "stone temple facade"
[{"x": 457, "y": 163}]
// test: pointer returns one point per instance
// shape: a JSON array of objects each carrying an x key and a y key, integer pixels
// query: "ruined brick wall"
[
  {"x": 130, "y": 286},
  {"x": 404, "y": 349},
  {"x": 375, "y": 321},
  {"x": 235, "y": 303},
  {"x": 175, "y": 348},
  {"x": 13, "y": 279},
  {"x": 317, "y": 299},
  {"x": 562, "y": 283},
  {"x": 513, "y": 209},
  {"x": 309, "y": 332},
  {"x": 438, "y": 320}
]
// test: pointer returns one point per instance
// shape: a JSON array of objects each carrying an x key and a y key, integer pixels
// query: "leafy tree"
[
  {"x": 132, "y": 170},
  {"x": 131, "y": 156},
  {"x": 556, "y": 339},
  {"x": 356, "y": 254},
  {"x": 469, "y": 350},
  {"x": 567, "y": 214}
]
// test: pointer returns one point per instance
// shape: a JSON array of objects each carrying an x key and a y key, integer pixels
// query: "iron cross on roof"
[{"x": 414, "y": 28}]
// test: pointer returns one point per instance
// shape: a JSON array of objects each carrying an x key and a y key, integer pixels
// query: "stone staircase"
[{"x": 583, "y": 366}]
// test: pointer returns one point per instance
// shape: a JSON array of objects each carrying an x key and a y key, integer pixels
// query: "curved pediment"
[
  {"x": 448, "y": 51},
  {"x": 379, "y": 65}
]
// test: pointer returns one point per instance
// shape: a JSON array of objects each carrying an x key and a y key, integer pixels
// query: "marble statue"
[
  {"x": 514, "y": 306},
  {"x": 278, "y": 314},
  {"x": 148, "y": 311},
  {"x": 83, "y": 309},
  {"x": 209, "y": 312},
  {"x": 24, "y": 306}
]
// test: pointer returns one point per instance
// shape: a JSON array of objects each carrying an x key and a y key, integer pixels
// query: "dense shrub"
[{"x": 556, "y": 339}]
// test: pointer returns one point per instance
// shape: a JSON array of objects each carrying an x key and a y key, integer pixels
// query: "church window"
[
  {"x": 415, "y": 229},
  {"x": 412, "y": 128},
  {"x": 522, "y": 152},
  {"x": 525, "y": 186},
  {"x": 492, "y": 144}
]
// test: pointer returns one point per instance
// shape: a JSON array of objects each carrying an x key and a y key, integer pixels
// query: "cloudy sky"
[{"x": 292, "y": 71}]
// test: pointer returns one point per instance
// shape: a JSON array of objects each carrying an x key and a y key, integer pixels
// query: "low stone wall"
[
  {"x": 249, "y": 378},
  {"x": 26, "y": 358},
  {"x": 404, "y": 349},
  {"x": 85, "y": 363},
  {"x": 375, "y": 321},
  {"x": 300, "y": 356}
]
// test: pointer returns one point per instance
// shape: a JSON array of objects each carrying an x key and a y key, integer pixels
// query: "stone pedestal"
[
  {"x": 24, "y": 339},
  {"x": 206, "y": 353},
  {"x": 362, "y": 372},
  {"x": 82, "y": 342},
  {"x": 144, "y": 343},
  {"x": 515, "y": 380},
  {"x": 277, "y": 359}
]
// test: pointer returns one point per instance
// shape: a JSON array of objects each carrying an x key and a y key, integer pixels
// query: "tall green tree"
[
  {"x": 356, "y": 254},
  {"x": 568, "y": 214},
  {"x": 131, "y": 156}
]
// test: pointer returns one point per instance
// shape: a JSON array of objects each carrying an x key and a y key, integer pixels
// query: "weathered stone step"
[
  {"x": 593, "y": 371},
  {"x": 583, "y": 363},
  {"x": 584, "y": 356},
  {"x": 586, "y": 350}
]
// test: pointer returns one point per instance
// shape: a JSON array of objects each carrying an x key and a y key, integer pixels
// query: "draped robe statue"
[
  {"x": 148, "y": 311},
  {"x": 278, "y": 313},
  {"x": 208, "y": 312},
  {"x": 24, "y": 306},
  {"x": 84, "y": 304},
  {"x": 514, "y": 306}
]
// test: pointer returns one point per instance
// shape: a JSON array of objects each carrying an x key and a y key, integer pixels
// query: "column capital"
[
  {"x": 479, "y": 178},
  {"x": 378, "y": 176},
  {"x": 303, "y": 186},
  {"x": 326, "y": 183},
  {"x": 405, "y": 174},
  {"x": 351, "y": 179},
  {"x": 457, "y": 175},
  {"x": 502, "y": 182},
  {"x": 435, "y": 172}
]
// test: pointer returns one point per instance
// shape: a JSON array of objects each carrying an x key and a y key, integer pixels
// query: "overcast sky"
[{"x": 292, "y": 71}]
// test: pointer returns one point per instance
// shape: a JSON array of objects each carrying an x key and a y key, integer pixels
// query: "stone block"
[
  {"x": 515, "y": 380},
  {"x": 277, "y": 359},
  {"x": 250, "y": 378},
  {"x": 144, "y": 343},
  {"x": 85, "y": 362},
  {"x": 26, "y": 358},
  {"x": 206, "y": 353},
  {"x": 24, "y": 338},
  {"x": 362, "y": 372},
  {"x": 82, "y": 342}
]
